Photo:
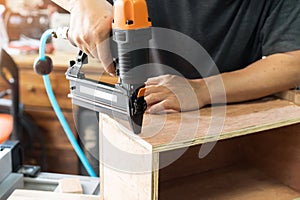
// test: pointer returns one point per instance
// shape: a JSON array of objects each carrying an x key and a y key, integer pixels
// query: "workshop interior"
[
  {"x": 35, "y": 147},
  {"x": 33, "y": 144},
  {"x": 60, "y": 110}
]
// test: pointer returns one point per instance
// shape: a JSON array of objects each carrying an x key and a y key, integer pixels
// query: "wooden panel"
[
  {"x": 60, "y": 153},
  {"x": 33, "y": 195},
  {"x": 232, "y": 183},
  {"x": 223, "y": 154},
  {"x": 125, "y": 165},
  {"x": 178, "y": 130},
  {"x": 276, "y": 152}
]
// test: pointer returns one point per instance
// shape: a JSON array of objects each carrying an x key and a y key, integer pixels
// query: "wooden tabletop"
[{"x": 178, "y": 130}]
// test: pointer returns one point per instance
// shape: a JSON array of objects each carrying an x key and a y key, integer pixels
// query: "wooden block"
[
  {"x": 290, "y": 95},
  {"x": 70, "y": 185},
  {"x": 45, "y": 195}
]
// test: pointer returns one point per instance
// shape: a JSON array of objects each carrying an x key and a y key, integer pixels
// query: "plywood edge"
[
  {"x": 126, "y": 163},
  {"x": 290, "y": 95},
  {"x": 126, "y": 132},
  {"x": 223, "y": 136},
  {"x": 155, "y": 175}
]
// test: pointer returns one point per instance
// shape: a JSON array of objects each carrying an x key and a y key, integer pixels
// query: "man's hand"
[
  {"x": 170, "y": 93},
  {"x": 90, "y": 27}
]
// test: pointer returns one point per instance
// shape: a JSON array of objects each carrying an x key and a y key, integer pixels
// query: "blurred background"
[
  {"x": 22, "y": 22},
  {"x": 26, "y": 20}
]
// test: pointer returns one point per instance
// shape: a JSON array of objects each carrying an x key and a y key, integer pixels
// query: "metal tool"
[
  {"x": 10, "y": 162},
  {"x": 125, "y": 100},
  {"x": 15, "y": 175}
]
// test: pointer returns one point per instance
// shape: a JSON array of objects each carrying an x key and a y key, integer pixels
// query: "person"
[{"x": 236, "y": 33}]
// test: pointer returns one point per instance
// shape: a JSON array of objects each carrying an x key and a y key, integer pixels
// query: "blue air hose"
[{"x": 58, "y": 112}]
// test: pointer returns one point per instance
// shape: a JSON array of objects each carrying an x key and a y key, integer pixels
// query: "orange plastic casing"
[{"x": 130, "y": 15}]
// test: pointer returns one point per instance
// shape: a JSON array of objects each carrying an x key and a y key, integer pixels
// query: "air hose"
[{"x": 43, "y": 66}]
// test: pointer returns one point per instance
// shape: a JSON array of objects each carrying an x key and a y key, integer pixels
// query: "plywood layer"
[{"x": 178, "y": 130}]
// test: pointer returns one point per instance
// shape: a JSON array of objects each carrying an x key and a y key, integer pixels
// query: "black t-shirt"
[{"x": 235, "y": 33}]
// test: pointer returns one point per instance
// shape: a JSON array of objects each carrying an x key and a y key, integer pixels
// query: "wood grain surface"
[
  {"x": 277, "y": 153},
  {"x": 126, "y": 167},
  {"x": 178, "y": 130},
  {"x": 231, "y": 183}
]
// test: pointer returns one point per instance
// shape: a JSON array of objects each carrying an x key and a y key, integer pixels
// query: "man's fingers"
[
  {"x": 99, "y": 51},
  {"x": 153, "y": 81},
  {"x": 71, "y": 39},
  {"x": 153, "y": 89},
  {"x": 77, "y": 41},
  {"x": 154, "y": 98},
  {"x": 162, "y": 107},
  {"x": 156, "y": 94},
  {"x": 160, "y": 80},
  {"x": 156, "y": 108}
]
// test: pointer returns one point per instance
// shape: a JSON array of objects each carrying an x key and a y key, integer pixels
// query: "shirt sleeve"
[{"x": 281, "y": 30}]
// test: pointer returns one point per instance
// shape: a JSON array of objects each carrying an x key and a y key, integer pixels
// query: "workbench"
[
  {"x": 37, "y": 106},
  {"x": 248, "y": 151}
]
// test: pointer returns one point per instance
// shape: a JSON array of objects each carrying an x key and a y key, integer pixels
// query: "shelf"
[{"x": 231, "y": 183}]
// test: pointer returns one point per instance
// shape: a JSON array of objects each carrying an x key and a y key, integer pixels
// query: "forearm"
[{"x": 276, "y": 73}]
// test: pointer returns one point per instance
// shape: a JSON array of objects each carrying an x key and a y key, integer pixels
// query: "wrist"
[{"x": 201, "y": 91}]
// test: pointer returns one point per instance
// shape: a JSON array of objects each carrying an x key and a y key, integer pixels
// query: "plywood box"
[{"x": 177, "y": 156}]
